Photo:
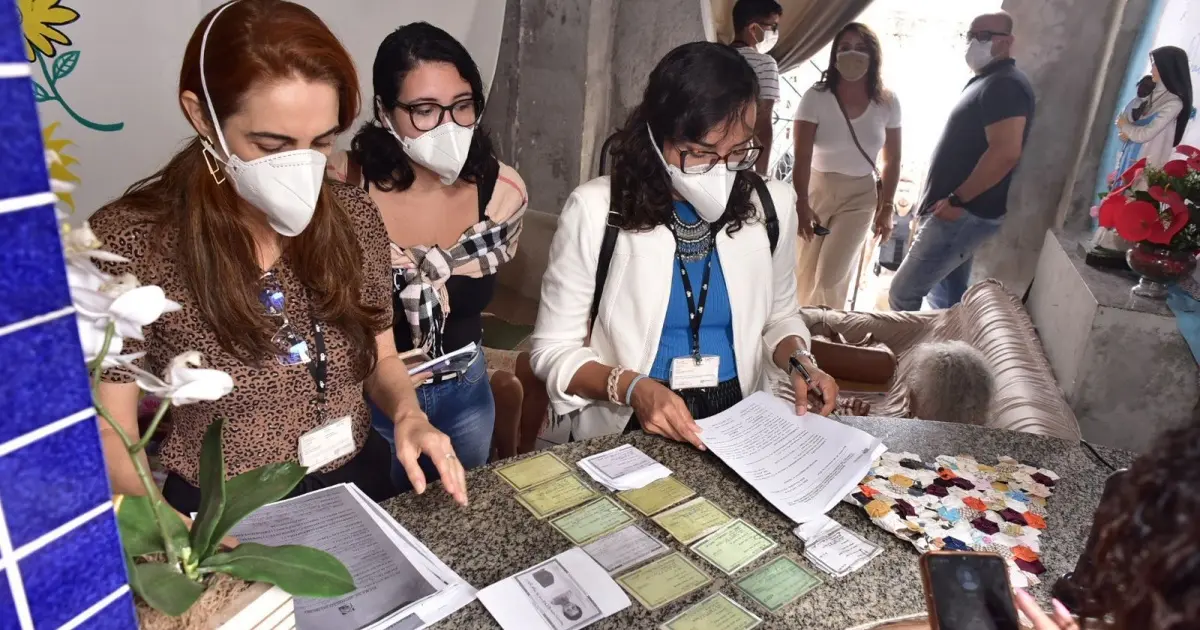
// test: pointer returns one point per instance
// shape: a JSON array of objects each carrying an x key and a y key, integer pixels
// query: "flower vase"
[{"x": 1158, "y": 267}]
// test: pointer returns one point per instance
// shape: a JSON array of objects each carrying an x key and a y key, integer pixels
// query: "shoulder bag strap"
[
  {"x": 854, "y": 136},
  {"x": 768, "y": 205},
  {"x": 605, "y": 259}
]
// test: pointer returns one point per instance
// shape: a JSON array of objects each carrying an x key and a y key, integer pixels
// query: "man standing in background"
[
  {"x": 966, "y": 191},
  {"x": 755, "y": 30}
]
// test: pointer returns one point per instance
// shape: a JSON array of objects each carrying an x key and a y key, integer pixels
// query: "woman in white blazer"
[{"x": 698, "y": 301}]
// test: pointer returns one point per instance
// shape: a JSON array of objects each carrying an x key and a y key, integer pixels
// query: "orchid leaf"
[
  {"x": 301, "y": 571},
  {"x": 251, "y": 490},
  {"x": 212, "y": 491},
  {"x": 139, "y": 531},
  {"x": 164, "y": 588}
]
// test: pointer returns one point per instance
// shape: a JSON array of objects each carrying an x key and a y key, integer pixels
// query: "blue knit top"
[{"x": 716, "y": 327}]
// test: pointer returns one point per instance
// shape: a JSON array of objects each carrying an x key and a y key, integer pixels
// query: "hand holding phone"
[
  {"x": 820, "y": 230},
  {"x": 967, "y": 591}
]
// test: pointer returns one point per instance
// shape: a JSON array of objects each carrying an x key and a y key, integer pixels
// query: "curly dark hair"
[
  {"x": 384, "y": 163},
  {"x": 696, "y": 88},
  {"x": 831, "y": 77},
  {"x": 1146, "y": 558}
]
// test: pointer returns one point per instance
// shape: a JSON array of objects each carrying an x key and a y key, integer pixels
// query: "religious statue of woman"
[{"x": 1151, "y": 126}]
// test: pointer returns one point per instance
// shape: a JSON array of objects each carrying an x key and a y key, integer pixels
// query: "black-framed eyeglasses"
[
  {"x": 427, "y": 116},
  {"x": 771, "y": 28},
  {"x": 699, "y": 162},
  {"x": 293, "y": 348},
  {"x": 984, "y": 35}
]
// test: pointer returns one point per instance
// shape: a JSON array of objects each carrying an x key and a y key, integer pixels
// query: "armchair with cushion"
[{"x": 990, "y": 319}]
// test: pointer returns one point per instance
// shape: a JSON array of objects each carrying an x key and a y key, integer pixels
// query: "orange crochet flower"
[
  {"x": 1021, "y": 552},
  {"x": 975, "y": 504},
  {"x": 946, "y": 473},
  {"x": 869, "y": 491},
  {"x": 1034, "y": 521}
]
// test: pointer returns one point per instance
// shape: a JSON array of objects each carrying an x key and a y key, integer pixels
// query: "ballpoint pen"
[{"x": 813, "y": 391}]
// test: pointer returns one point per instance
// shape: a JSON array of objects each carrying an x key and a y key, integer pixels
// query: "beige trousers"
[{"x": 825, "y": 265}]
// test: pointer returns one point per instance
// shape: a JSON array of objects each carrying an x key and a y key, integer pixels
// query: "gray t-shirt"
[
  {"x": 767, "y": 71},
  {"x": 1000, "y": 92}
]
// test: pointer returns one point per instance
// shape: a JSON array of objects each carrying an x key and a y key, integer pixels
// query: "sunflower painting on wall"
[{"x": 41, "y": 21}]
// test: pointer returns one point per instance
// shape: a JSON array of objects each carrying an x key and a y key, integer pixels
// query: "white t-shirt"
[
  {"x": 767, "y": 70},
  {"x": 833, "y": 147}
]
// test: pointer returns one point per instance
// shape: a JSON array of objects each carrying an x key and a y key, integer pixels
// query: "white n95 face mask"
[
  {"x": 707, "y": 192},
  {"x": 768, "y": 42},
  {"x": 443, "y": 149},
  {"x": 284, "y": 186},
  {"x": 979, "y": 55}
]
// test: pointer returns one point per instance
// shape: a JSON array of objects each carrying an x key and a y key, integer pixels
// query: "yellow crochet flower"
[
  {"x": 60, "y": 170},
  {"x": 38, "y": 20}
]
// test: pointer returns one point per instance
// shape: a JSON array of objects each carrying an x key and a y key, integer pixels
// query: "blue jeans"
[
  {"x": 462, "y": 408},
  {"x": 938, "y": 267}
]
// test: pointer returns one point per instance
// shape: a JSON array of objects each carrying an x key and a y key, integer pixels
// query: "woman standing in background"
[
  {"x": 842, "y": 124},
  {"x": 453, "y": 216}
]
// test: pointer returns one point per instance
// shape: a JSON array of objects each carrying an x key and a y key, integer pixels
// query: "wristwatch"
[
  {"x": 803, "y": 354},
  {"x": 956, "y": 201}
]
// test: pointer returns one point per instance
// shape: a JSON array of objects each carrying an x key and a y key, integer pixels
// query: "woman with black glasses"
[
  {"x": 453, "y": 216},
  {"x": 680, "y": 266}
]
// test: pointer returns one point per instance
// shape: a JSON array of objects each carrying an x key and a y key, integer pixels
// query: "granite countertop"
[{"x": 496, "y": 537}]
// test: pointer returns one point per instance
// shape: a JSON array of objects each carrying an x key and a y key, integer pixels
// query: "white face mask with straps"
[
  {"x": 707, "y": 192},
  {"x": 443, "y": 149},
  {"x": 284, "y": 186}
]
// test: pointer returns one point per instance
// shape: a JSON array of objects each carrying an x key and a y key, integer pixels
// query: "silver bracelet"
[{"x": 804, "y": 354}]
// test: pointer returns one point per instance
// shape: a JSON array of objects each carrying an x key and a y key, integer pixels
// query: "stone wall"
[{"x": 1075, "y": 53}]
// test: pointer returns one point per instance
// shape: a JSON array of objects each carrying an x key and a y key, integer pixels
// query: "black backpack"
[{"x": 610, "y": 235}]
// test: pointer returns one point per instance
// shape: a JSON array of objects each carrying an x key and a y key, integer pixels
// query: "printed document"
[
  {"x": 567, "y": 592},
  {"x": 803, "y": 465}
]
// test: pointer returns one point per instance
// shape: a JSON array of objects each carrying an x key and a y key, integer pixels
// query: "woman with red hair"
[{"x": 282, "y": 276}]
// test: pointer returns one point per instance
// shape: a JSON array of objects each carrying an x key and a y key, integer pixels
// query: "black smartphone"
[
  {"x": 968, "y": 591},
  {"x": 820, "y": 230}
]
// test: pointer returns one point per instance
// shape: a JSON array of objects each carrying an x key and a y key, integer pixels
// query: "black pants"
[
  {"x": 702, "y": 402},
  {"x": 368, "y": 470}
]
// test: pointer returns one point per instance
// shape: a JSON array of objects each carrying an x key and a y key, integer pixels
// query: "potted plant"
[
  {"x": 171, "y": 566},
  {"x": 1158, "y": 211}
]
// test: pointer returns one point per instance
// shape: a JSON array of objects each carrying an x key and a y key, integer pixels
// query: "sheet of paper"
[
  {"x": 625, "y": 548},
  {"x": 566, "y": 592},
  {"x": 591, "y": 521},
  {"x": 692, "y": 520},
  {"x": 657, "y": 496},
  {"x": 532, "y": 471},
  {"x": 664, "y": 581},
  {"x": 555, "y": 496},
  {"x": 778, "y": 583},
  {"x": 840, "y": 552},
  {"x": 734, "y": 546},
  {"x": 623, "y": 468},
  {"x": 803, "y": 465},
  {"x": 716, "y": 612},
  {"x": 334, "y": 521}
]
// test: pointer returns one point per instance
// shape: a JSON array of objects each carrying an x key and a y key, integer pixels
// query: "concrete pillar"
[{"x": 1073, "y": 52}]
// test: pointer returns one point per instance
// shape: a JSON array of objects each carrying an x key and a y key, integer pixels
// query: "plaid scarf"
[{"x": 419, "y": 273}]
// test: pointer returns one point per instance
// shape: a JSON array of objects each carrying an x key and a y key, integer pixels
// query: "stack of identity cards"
[{"x": 651, "y": 571}]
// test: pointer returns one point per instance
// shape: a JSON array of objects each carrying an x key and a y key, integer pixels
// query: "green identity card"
[
  {"x": 532, "y": 471},
  {"x": 716, "y": 612},
  {"x": 555, "y": 495},
  {"x": 692, "y": 520},
  {"x": 657, "y": 496},
  {"x": 664, "y": 581},
  {"x": 591, "y": 521},
  {"x": 778, "y": 583},
  {"x": 734, "y": 546}
]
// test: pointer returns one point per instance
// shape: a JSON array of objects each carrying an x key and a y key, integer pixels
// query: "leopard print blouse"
[{"x": 272, "y": 405}]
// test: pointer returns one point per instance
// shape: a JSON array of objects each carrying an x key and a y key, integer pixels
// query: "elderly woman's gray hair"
[{"x": 949, "y": 381}]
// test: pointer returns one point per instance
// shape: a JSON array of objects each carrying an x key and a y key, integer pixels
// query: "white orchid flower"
[
  {"x": 120, "y": 300},
  {"x": 186, "y": 382},
  {"x": 91, "y": 337}
]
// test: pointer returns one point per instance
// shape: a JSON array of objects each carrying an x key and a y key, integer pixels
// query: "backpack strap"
[{"x": 768, "y": 206}]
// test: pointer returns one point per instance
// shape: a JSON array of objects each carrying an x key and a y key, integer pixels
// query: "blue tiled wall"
[{"x": 60, "y": 555}]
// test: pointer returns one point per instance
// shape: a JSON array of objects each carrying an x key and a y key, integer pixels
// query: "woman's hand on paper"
[
  {"x": 662, "y": 412},
  {"x": 826, "y": 391},
  {"x": 414, "y": 436},
  {"x": 1061, "y": 620}
]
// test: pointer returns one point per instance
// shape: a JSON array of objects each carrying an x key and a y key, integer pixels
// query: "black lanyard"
[
  {"x": 318, "y": 365},
  {"x": 696, "y": 307}
]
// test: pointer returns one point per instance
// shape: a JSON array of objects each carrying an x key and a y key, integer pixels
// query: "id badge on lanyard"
[
  {"x": 330, "y": 440},
  {"x": 697, "y": 370}
]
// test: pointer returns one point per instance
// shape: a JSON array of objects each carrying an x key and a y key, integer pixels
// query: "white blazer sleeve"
[
  {"x": 1166, "y": 117},
  {"x": 785, "y": 320},
  {"x": 562, "y": 321}
]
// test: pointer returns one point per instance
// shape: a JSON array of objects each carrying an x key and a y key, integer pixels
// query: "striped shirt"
[{"x": 767, "y": 70}]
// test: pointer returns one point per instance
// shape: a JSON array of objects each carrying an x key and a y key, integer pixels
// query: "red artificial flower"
[
  {"x": 1137, "y": 221},
  {"x": 1193, "y": 156},
  {"x": 1112, "y": 206},
  {"x": 1176, "y": 168},
  {"x": 1133, "y": 172},
  {"x": 1173, "y": 204}
]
